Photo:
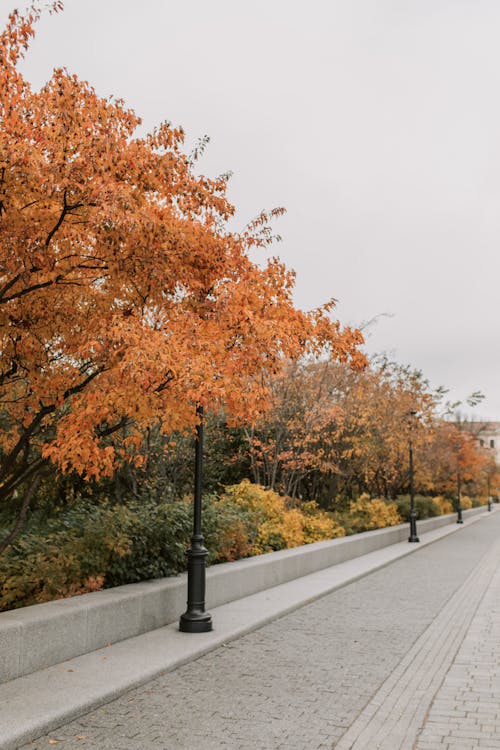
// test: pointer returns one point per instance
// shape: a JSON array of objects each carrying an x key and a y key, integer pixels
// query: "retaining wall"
[{"x": 35, "y": 637}]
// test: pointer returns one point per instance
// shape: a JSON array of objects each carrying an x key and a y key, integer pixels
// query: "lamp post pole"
[
  {"x": 459, "y": 489},
  {"x": 195, "y": 619},
  {"x": 489, "y": 495},
  {"x": 413, "y": 515}
]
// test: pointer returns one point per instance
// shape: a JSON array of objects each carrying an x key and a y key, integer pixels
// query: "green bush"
[
  {"x": 161, "y": 534},
  {"x": 228, "y": 528},
  {"x": 158, "y": 538},
  {"x": 67, "y": 555},
  {"x": 90, "y": 546},
  {"x": 91, "y": 543},
  {"x": 425, "y": 507}
]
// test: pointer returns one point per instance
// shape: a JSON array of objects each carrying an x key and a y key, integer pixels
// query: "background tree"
[
  {"x": 287, "y": 444},
  {"x": 448, "y": 452},
  {"x": 336, "y": 432}
]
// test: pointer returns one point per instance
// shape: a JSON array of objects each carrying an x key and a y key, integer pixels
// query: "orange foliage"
[
  {"x": 379, "y": 427},
  {"x": 452, "y": 453},
  {"x": 290, "y": 440},
  {"x": 124, "y": 298},
  {"x": 345, "y": 427}
]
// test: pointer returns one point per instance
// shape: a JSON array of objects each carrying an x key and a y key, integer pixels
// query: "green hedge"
[
  {"x": 425, "y": 507},
  {"x": 93, "y": 543},
  {"x": 89, "y": 546}
]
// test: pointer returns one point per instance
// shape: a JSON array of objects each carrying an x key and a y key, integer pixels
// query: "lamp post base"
[
  {"x": 413, "y": 527},
  {"x": 195, "y": 619},
  {"x": 192, "y": 623}
]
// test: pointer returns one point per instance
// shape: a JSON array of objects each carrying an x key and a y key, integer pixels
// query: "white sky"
[{"x": 376, "y": 123}]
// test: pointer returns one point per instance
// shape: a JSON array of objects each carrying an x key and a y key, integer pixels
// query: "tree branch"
[
  {"x": 66, "y": 209},
  {"x": 22, "y": 513},
  {"x": 28, "y": 289},
  {"x": 8, "y": 462},
  {"x": 124, "y": 421},
  {"x": 8, "y": 285}
]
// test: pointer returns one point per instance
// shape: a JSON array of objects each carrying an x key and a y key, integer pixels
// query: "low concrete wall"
[{"x": 35, "y": 637}]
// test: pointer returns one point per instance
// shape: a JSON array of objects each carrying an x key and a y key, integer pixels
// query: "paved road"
[{"x": 300, "y": 682}]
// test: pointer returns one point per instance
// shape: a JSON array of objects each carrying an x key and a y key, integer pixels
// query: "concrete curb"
[
  {"x": 40, "y": 702},
  {"x": 36, "y": 637}
]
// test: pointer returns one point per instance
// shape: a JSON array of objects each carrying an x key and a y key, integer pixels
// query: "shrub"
[
  {"x": 465, "y": 502},
  {"x": 425, "y": 507},
  {"x": 275, "y": 526},
  {"x": 158, "y": 539},
  {"x": 318, "y": 525},
  {"x": 477, "y": 502},
  {"x": 90, "y": 546},
  {"x": 227, "y": 529},
  {"x": 69, "y": 556},
  {"x": 445, "y": 505},
  {"x": 367, "y": 513}
]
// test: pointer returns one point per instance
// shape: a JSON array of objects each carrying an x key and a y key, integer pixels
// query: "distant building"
[{"x": 487, "y": 434}]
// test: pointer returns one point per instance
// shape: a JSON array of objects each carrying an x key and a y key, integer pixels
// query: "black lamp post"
[
  {"x": 195, "y": 619},
  {"x": 413, "y": 515},
  {"x": 459, "y": 488},
  {"x": 489, "y": 495}
]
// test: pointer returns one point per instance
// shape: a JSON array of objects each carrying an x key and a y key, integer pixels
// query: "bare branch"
[{"x": 31, "y": 203}]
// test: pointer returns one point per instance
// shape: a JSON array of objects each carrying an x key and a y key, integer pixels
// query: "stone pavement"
[
  {"x": 465, "y": 712},
  {"x": 406, "y": 657}
]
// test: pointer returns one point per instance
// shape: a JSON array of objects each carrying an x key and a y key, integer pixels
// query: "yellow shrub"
[
  {"x": 280, "y": 532},
  {"x": 445, "y": 505},
  {"x": 465, "y": 502},
  {"x": 276, "y": 525},
  {"x": 376, "y": 513},
  {"x": 318, "y": 525}
]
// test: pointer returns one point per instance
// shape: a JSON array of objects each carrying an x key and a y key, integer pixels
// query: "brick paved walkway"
[
  {"x": 300, "y": 682},
  {"x": 396, "y": 714},
  {"x": 465, "y": 713}
]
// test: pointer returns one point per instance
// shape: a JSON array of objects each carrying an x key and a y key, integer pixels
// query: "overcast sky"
[{"x": 376, "y": 123}]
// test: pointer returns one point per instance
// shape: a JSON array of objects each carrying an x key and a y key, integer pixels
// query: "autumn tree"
[
  {"x": 377, "y": 404},
  {"x": 335, "y": 430},
  {"x": 124, "y": 298},
  {"x": 286, "y": 445},
  {"x": 491, "y": 476},
  {"x": 452, "y": 452}
]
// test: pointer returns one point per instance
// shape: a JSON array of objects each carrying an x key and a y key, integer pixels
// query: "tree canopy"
[{"x": 124, "y": 297}]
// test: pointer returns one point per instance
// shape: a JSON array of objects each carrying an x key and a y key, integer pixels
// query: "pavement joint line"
[
  {"x": 384, "y": 723},
  {"x": 73, "y": 688}
]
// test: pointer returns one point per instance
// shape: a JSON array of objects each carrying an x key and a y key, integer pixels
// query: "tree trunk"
[{"x": 35, "y": 483}]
